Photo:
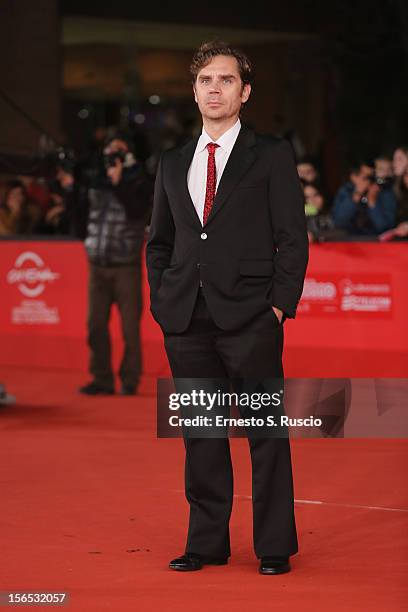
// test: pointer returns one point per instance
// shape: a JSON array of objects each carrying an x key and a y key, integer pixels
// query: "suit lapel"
[
  {"x": 187, "y": 153},
  {"x": 240, "y": 160}
]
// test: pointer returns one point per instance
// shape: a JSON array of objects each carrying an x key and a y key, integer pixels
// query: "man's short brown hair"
[{"x": 208, "y": 50}]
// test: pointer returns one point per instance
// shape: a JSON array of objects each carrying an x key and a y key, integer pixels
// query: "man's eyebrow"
[{"x": 222, "y": 76}]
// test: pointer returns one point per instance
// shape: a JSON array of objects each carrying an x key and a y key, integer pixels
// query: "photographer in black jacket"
[{"x": 118, "y": 212}]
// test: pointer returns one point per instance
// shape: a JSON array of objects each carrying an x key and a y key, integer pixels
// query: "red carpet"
[{"x": 92, "y": 503}]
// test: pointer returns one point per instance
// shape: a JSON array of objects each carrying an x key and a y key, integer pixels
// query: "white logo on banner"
[
  {"x": 365, "y": 297},
  {"x": 31, "y": 281},
  {"x": 317, "y": 290},
  {"x": 31, "y": 276}
]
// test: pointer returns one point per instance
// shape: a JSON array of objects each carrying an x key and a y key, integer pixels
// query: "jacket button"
[{"x": 203, "y": 236}]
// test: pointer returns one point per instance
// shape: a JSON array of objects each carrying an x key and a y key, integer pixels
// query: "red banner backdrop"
[{"x": 352, "y": 319}]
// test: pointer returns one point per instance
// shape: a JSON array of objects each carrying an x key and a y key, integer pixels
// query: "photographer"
[
  {"x": 118, "y": 212},
  {"x": 365, "y": 205},
  {"x": 67, "y": 209}
]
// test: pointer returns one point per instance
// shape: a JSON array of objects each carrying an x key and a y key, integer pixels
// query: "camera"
[
  {"x": 380, "y": 181},
  {"x": 110, "y": 159}
]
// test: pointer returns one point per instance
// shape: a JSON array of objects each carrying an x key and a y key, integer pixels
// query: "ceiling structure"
[
  {"x": 78, "y": 30},
  {"x": 301, "y": 16}
]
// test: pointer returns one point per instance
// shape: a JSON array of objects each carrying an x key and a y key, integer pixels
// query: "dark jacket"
[
  {"x": 117, "y": 220},
  {"x": 358, "y": 218},
  {"x": 252, "y": 252}
]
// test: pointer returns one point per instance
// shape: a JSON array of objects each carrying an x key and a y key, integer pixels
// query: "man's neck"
[{"x": 215, "y": 128}]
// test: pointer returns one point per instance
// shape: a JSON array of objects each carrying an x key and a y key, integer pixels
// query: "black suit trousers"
[{"x": 254, "y": 351}]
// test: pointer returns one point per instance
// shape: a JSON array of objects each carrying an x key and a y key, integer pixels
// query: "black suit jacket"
[{"x": 251, "y": 254}]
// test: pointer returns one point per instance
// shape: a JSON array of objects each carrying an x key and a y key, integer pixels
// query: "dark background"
[{"x": 332, "y": 74}]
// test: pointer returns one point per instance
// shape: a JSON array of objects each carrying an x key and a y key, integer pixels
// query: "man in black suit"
[{"x": 226, "y": 259}]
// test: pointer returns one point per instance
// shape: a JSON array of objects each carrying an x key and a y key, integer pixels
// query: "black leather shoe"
[
  {"x": 128, "y": 390},
  {"x": 191, "y": 562},
  {"x": 274, "y": 565},
  {"x": 93, "y": 388}
]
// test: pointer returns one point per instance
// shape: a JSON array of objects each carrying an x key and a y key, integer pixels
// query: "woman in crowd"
[
  {"x": 17, "y": 214},
  {"x": 400, "y": 167},
  {"x": 314, "y": 199},
  {"x": 400, "y": 161},
  {"x": 401, "y": 191},
  {"x": 315, "y": 211}
]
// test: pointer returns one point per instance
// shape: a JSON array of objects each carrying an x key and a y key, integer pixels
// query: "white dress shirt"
[{"x": 197, "y": 174}]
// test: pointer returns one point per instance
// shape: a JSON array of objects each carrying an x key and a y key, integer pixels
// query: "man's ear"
[
  {"x": 195, "y": 95},
  {"x": 246, "y": 92}
]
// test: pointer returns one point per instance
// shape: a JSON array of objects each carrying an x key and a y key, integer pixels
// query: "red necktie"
[{"x": 211, "y": 181}]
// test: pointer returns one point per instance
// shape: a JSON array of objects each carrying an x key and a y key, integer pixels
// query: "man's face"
[
  {"x": 307, "y": 172},
  {"x": 218, "y": 90},
  {"x": 361, "y": 179},
  {"x": 383, "y": 168},
  {"x": 366, "y": 172}
]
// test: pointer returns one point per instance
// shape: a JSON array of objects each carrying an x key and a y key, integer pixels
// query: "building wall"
[{"x": 30, "y": 67}]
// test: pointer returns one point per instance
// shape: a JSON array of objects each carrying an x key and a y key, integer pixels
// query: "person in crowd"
[
  {"x": 307, "y": 170},
  {"x": 362, "y": 206},
  {"x": 18, "y": 215},
  {"x": 401, "y": 191},
  {"x": 68, "y": 205},
  {"x": 55, "y": 217},
  {"x": 314, "y": 204},
  {"x": 37, "y": 190},
  {"x": 383, "y": 168},
  {"x": 317, "y": 218},
  {"x": 400, "y": 160},
  {"x": 400, "y": 164},
  {"x": 400, "y": 168},
  {"x": 401, "y": 228},
  {"x": 5, "y": 398},
  {"x": 314, "y": 199},
  {"x": 118, "y": 212}
]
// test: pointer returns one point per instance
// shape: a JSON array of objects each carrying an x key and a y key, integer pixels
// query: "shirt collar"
[{"x": 225, "y": 142}]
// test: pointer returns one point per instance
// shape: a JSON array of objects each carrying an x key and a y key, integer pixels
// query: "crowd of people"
[{"x": 372, "y": 203}]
